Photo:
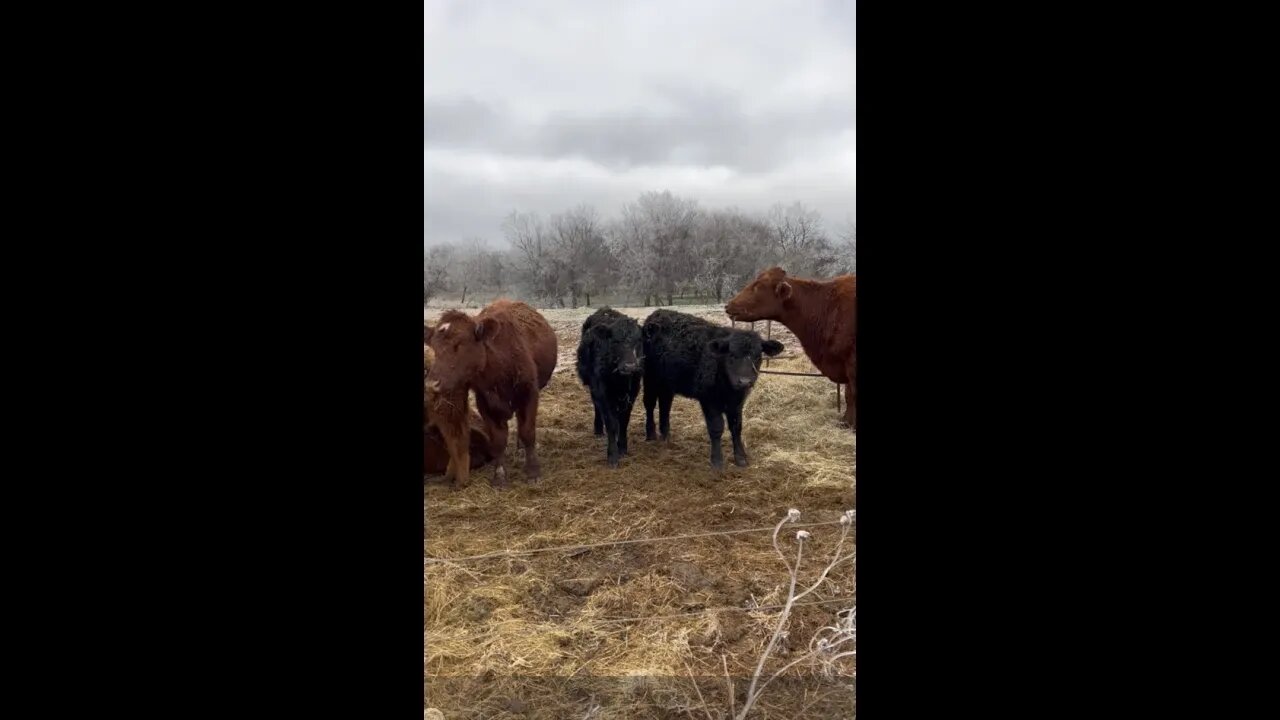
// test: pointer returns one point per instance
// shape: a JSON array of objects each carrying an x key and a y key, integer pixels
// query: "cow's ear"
[
  {"x": 719, "y": 347},
  {"x": 602, "y": 332},
  {"x": 771, "y": 347},
  {"x": 783, "y": 290},
  {"x": 481, "y": 329}
]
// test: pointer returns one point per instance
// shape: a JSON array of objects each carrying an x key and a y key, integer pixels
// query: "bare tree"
[
  {"x": 533, "y": 245},
  {"x": 437, "y": 270},
  {"x": 661, "y": 228},
  {"x": 495, "y": 272},
  {"x": 846, "y": 250},
  {"x": 719, "y": 250},
  {"x": 627, "y": 240},
  {"x": 659, "y": 246},
  {"x": 580, "y": 252},
  {"x": 800, "y": 240},
  {"x": 475, "y": 257}
]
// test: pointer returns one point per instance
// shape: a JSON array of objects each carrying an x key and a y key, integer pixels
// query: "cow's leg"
[
  {"x": 650, "y": 399},
  {"x": 624, "y": 418},
  {"x": 458, "y": 472},
  {"x": 527, "y": 427},
  {"x": 599, "y": 407},
  {"x": 611, "y": 428},
  {"x": 734, "y": 415},
  {"x": 498, "y": 449},
  {"x": 715, "y": 431},
  {"x": 664, "y": 415},
  {"x": 851, "y": 395}
]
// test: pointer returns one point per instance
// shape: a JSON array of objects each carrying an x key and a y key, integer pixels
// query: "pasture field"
[{"x": 588, "y": 633}]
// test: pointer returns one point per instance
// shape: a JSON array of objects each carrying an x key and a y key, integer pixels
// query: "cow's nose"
[
  {"x": 629, "y": 367},
  {"x": 746, "y": 382}
]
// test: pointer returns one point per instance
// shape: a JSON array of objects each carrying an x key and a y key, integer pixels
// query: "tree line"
[{"x": 660, "y": 247}]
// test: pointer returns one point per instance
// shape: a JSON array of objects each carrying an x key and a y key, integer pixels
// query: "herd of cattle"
[{"x": 505, "y": 355}]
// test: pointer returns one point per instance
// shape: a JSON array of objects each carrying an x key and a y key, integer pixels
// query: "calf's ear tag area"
[{"x": 783, "y": 290}]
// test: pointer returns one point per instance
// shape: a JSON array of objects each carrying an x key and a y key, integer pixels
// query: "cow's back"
[
  {"x": 847, "y": 300},
  {"x": 533, "y": 344},
  {"x": 846, "y": 320},
  {"x": 674, "y": 344},
  {"x": 827, "y": 326},
  {"x": 585, "y": 366}
]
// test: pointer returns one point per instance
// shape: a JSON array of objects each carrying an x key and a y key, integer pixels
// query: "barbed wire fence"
[
  {"x": 626, "y": 541},
  {"x": 830, "y": 644},
  {"x": 580, "y": 548}
]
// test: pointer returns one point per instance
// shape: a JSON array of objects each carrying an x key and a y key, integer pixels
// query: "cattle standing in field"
[
  {"x": 506, "y": 355},
  {"x": 610, "y": 363},
  {"x": 435, "y": 449},
  {"x": 713, "y": 364},
  {"x": 823, "y": 315}
]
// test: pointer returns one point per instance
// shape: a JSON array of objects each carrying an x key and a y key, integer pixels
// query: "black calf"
[
  {"x": 610, "y": 364},
  {"x": 712, "y": 364}
]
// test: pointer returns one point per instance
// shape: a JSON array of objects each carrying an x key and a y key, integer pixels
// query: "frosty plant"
[{"x": 829, "y": 644}]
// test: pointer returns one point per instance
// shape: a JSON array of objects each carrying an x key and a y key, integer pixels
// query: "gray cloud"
[
  {"x": 706, "y": 129},
  {"x": 542, "y": 105}
]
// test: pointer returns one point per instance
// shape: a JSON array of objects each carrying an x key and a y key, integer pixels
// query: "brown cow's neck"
[{"x": 805, "y": 314}]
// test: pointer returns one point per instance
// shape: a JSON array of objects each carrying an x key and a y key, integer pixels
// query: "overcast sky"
[{"x": 539, "y": 105}]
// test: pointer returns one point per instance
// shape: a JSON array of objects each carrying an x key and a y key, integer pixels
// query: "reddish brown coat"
[
  {"x": 823, "y": 315},
  {"x": 506, "y": 355},
  {"x": 435, "y": 452}
]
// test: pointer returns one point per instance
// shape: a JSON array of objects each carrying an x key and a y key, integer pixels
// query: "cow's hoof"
[
  {"x": 741, "y": 461},
  {"x": 500, "y": 477}
]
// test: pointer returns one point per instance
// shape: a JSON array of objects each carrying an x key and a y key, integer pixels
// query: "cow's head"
[
  {"x": 621, "y": 346},
  {"x": 738, "y": 355},
  {"x": 457, "y": 342},
  {"x": 763, "y": 299}
]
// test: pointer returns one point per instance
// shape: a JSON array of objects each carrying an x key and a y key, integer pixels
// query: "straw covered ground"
[{"x": 588, "y": 633}]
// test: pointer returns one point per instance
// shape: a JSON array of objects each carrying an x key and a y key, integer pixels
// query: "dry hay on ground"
[{"x": 530, "y": 636}]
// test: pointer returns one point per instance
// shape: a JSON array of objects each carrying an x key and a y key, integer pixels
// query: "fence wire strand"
[
  {"x": 555, "y": 548},
  {"x": 726, "y": 608}
]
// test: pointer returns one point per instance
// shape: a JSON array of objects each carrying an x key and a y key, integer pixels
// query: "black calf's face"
[
  {"x": 740, "y": 356},
  {"x": 622, "y": 343}
]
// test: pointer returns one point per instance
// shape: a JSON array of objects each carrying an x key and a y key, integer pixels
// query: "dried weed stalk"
[{"x": 830, "y": 644}]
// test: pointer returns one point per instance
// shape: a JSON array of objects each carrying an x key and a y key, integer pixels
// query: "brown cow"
[
  {"x": 506, "y": 355},
  {"x": 823, "y": 315},
  {"x": 435, "y": 453}
]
